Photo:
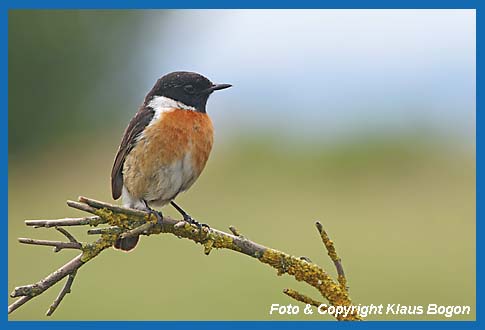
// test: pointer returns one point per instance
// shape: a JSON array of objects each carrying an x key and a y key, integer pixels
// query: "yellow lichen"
[
  {"x": 97, "y": 221},
  {"x": 114, "y": 219},
  {"x": 208, "y": 246},
  {"x": 309, "y": 273},
  {"x": 91, "y": 250},
  {"x": 223, "y": 241}
]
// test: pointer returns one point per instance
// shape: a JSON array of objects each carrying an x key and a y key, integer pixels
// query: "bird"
[{"x": 165, "y": 146}]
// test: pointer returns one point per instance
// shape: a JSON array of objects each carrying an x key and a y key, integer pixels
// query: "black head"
[{"x": 190, "y": 88}]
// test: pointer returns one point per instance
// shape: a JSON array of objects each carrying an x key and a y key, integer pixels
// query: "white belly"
[{"x": 165, "y": 184}]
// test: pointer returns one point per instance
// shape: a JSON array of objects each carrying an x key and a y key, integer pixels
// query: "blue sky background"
[{"x": 332, "y": 72}]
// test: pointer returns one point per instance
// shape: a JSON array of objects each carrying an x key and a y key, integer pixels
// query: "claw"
[
  {"x": 157, "y": 214},
  {"x": 199, "y": 225},
  {"x": 189, "y": 219}
]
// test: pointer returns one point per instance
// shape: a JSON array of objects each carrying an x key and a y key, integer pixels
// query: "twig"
[
  {"x": 234, "y": 231},
  {"x": 65, "y": 290},
  {"x": 67, "y": 234},
  {"x": 138, "y": 230},
  {"x": 81, "y": 206},
  {"x": 115, "y": 208},
  {"x": 301, "y": 297},
  {"x": 130, "y": 222},
  {"x": 332, "y": 253},
  {"x": 93, "y": 221},
  {"x": 58, "y": 245},
  {"x": 107, "y": 230},
  {"x": 17, "y": 303},
  {"x": 28, "y": 292}
]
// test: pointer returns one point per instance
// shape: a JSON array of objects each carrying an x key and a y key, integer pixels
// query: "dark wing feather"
[{"x": 137, "y": 124}]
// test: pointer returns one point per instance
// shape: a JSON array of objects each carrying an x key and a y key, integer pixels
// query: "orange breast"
[
  {"x": 180, "y": 131},
  {"x": 168, "y": 140}
]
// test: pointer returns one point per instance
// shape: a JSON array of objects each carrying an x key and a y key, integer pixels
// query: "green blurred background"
[{"x": 364, "y": 120}]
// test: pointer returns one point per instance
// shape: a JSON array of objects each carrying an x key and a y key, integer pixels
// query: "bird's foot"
[
  {"x": 189, "y": 219},
  {"x": 192, "y": 221},
  {"x": 157, "y": 214}
]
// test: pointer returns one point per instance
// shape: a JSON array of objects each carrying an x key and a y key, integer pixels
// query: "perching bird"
[{"x": 165, "y": 146}]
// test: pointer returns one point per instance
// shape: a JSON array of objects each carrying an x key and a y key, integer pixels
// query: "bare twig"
[
  {"x": 130, "y": 222},
  {"x": 234, "y": 231},
  {"x": 17, "y": 303},
  {"x": 58, "y": 245},
  {"x": 93, "y": 221},
  {"x": 28, "y": 292},
  {"x": 81, "y": 206},
  {"x": 67, "y": 234},
  {"x": 65, "y": 290}
]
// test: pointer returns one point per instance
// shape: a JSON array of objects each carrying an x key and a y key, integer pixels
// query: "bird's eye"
[{"x": 189, "y": 89}]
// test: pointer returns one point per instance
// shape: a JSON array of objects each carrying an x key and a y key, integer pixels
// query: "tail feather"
[{"x": 126, "y": 244}]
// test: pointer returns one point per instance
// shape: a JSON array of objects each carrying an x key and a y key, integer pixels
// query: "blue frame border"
[
  {"x": 5, "y": 5},
  {"x": 239, "y": 4}
]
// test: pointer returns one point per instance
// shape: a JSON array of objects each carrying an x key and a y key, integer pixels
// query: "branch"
[
  {"x": 126, "y": 222},
  {"x": 58, "y": 245},
  {"x": 301, "y": 297},
  {"x": 65, "y": 290},
  {"x": 27, "y": 292},
  {"x": 332, "y": 253}
]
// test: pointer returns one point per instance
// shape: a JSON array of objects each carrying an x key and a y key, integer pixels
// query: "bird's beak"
[{"x": 218, "y": 87}]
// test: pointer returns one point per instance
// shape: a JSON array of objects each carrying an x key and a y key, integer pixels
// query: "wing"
[{"x": 137, "y": 124}]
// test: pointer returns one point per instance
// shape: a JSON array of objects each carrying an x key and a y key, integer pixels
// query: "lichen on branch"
[{"x": 124, "y": 222}]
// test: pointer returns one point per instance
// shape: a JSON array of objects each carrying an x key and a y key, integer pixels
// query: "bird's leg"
[
  {"x": 188, "y": 218},
  {"x": 158, "y": 214}
]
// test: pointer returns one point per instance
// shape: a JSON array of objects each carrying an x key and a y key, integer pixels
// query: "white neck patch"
[{"x": 163, "y": 104}]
